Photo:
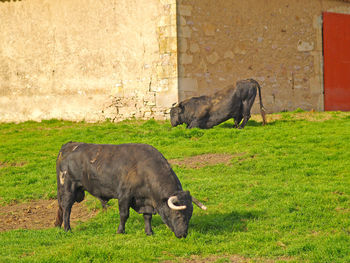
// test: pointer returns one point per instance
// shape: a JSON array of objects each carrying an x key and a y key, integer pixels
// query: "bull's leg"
[
  {"x": 148, "y": 226},
  {"x": 103, "y": 203},
  {"x": 124, "y": 215},
  {"x": 59, "y": 216},
  {"x": 66, "y": 199},
  {"x": 67, "y": 203},
  {"x": 247, "y": 105},
  {"x": 237, "y": 120},
  {"x": 200, "y": 120},
  {"x": 245, "y": 120},
  {"x": 193, "y": 124},
  {"x": 199, "y": 123}
]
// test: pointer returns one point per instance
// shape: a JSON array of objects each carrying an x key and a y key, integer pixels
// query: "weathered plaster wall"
[
  {"x": 114, "y": 59},
  {"x": 87, "y": 59},
  {"x": 276, "y": 42}
]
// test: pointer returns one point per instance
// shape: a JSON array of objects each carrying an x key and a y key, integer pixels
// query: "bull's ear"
[{"x": 174, "y": 104}]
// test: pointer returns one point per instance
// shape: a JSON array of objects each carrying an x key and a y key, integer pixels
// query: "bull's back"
[
  {"x": 223, "y": 106},
  {"x": 247, "y": 88},
  {"x": 108, "y": 170}
]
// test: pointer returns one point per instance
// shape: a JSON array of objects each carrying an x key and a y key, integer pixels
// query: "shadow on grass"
[
  {"x": 233, "y": 221},
  {"x": 280, "y": 122},
  {"x": 218, "y": 223},
  {"x": 229, "y": 124}
]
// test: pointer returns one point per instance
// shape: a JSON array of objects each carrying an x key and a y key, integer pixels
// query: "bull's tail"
[
  {"x": 59, "y": 215},
  {"x": 262, "y": 109}
]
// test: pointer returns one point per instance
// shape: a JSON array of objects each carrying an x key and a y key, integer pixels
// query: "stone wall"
[
  {"x": 109, "y": 59},
  {"x": 276, "y": 42},
  {"x": 88, "y": 60}
]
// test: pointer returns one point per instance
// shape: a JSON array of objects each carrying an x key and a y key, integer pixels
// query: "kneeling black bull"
[
  {"x": 207, "y": 111},
  {"x": 137, "y": 175}
]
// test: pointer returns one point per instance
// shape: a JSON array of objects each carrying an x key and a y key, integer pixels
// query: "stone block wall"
[
  {"x": 87, "y": 60},
  {"x": 276, "y": 42},
  {"x": 108, "y": 59}
]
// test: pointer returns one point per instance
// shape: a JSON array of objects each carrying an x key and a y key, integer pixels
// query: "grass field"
[{"x": 283, "y": 197}]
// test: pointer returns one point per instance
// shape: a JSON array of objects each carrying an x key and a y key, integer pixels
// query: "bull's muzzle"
[{"x": 184, "y": 235}]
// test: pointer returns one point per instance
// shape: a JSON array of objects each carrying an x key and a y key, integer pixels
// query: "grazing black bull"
[
  {"x": 207, "y": 111},
  {"x": 137, "y": 175}
]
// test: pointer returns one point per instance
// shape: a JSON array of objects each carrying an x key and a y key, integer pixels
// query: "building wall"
[
  {"x": 96, "y": 60},
  {"x": 276, "y": 42},
  {"x": 87, "y": 60}
]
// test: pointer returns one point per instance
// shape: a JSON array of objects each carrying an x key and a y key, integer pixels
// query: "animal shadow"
[
  {"x": 233, "y": 221},
  {"x": 229, "y": 124}
]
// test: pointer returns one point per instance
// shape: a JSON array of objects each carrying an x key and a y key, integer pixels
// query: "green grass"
[{"x": 284, "y": 197}]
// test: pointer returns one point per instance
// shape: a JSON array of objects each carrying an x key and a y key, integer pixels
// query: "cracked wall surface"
[
  {"x": 87, "y": 60},
  {"x": 276, "y": 42}
]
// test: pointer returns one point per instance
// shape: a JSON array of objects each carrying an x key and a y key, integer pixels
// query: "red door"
[{"x": 336, "y": 48}]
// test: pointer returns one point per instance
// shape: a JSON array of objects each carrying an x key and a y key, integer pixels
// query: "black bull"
[
  {"x": 207, "y": 111},
  {"x": 137, "y": 175}
]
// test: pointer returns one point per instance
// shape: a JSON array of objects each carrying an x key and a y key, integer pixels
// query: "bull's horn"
[
  {"x": 199, "y": 204},
  {"x": 174, "y": 104},
  {"x": 171, "y": 204}
]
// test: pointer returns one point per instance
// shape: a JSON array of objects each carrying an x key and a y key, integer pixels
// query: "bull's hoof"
[
  {"x": 120, "y": 231},
  {"x": 58, "y": 223},
  {"x": 149, "y": 233},
  {"x": 104, "y": 207}
]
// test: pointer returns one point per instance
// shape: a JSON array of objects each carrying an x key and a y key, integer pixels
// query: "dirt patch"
[
  {"x": 313, "y": 116},
  {"x": 199, "y": 161},
  {"x": 231, "y": 258},
  {"x": 13, "y": 164},
  {"x": 39, "y": 214},
  {"x": 198, "y": 259}
]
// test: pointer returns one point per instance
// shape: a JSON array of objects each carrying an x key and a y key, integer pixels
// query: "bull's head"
[
  {"x": 176, "y": 115},
  {"x": 176, "y": 212}
]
